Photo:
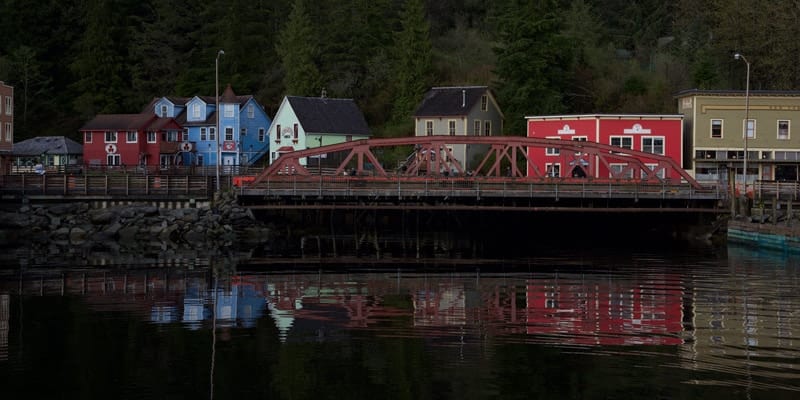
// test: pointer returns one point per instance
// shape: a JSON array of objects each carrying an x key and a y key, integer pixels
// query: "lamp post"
[
  {"x": 216, "y": 98},
  {"x": 319, "y": 158},
  {"x": 739, "y": 56}
]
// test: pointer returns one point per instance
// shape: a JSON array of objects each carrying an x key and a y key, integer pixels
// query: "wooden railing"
[
  {"x": 118, "y": 185},
  {"x": 777, "y": 190}
]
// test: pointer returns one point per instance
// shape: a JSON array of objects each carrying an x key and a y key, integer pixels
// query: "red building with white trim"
[
  {"x": 132, "y": 140},
  {"x": 658, "y": 134}
]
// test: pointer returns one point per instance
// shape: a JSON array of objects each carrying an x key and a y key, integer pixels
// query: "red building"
[
  {"x": 6, "y": 127},
  {"x": 132, "y": 140},
  {"x": 657, "y": 134}
]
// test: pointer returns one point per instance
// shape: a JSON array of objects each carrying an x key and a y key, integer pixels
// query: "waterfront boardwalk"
[{"x": 373, "y": 192}]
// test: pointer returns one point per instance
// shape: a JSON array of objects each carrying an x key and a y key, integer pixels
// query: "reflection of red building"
[
  {"x": 658, "y": 134},
  {"x": 606, "y": 312}
]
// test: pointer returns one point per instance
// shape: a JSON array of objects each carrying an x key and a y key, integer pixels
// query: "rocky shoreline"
[{"x": 223, "y": 223}]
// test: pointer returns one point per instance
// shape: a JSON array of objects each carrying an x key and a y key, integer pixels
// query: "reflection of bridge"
[{"x": 431, "y": 177}]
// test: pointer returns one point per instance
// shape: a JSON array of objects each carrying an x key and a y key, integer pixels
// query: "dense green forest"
[{"x": 69, "y": 60}]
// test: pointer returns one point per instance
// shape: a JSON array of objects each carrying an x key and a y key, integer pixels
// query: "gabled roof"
[
  {"x": 326, "y": 115},
  {"x": 452, "y": 100},
  {"x": 47, "y": 145},
  {"x": 123, "y": 122}
]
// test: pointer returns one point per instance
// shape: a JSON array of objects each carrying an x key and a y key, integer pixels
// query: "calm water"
[{"x": 671, "y": 322}]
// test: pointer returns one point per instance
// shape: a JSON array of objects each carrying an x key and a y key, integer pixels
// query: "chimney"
[{"x": 463, "y": 98}]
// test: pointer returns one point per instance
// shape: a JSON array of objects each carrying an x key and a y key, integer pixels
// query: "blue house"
[{"x": 243, "y": 126}]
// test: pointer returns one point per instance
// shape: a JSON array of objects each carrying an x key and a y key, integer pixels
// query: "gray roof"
[
  {"x": 47, "y": 145},
  {"x": 726, "y": 92},
  {"x": 453, "y": 100},
  {"x": 326, "y": 115}
]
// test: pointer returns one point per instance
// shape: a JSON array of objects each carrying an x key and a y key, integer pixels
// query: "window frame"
[
  {"x": 262, "y": 134},
  {"x": 228, "y": 110},
  {"x": 451, "y": 127},
  {"x": 9, "y": 105},
  {"x": 251, "y": 111},
  {"x": 746, "y": 128},
  {"x": 113, "y": 160},
  {"x": 552, "y": 151},
  {"x": 788, "y": 135},
  {"x": 652, "y": 145},
  {"x": 720, "y": 128},
  {"x": 152, "y": 137},
  {"x": 228, "y": 133},
  {"x": 87, "y": 137},
  {"x": 428, "y": 127},
  {"x": 621, "y": 139},
  {"x": 487, "y": 127},
  {"x": 111, "y": 137},
  {"x": 128, "y": 137},
  {"x": 550, "y": 167},
  {"x": 484, "y": 102}
]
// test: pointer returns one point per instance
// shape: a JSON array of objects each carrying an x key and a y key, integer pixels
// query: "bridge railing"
[
  {"x": 777, "y": 190},
  {"x": 323, "y": 186}
]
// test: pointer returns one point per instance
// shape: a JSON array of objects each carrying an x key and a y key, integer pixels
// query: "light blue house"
[{"x": 243, "y": 128}]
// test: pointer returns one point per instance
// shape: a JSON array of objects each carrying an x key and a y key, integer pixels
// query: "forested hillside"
[{"x": 69, "y": 60}]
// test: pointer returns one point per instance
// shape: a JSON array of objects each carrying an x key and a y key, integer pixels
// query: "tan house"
[
  {"x": 714, "y": 125},
  {"x": 460, "y": 111}
]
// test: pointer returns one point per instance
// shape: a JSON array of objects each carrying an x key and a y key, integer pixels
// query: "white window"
[
  {"x": 751, "y": 129},
  {"x": 163, "y": 111},
  {"x": 451, "y": 127},
  {"x": 579, "y": 139},
  {"x": 251, "y": 111},
  {"x": 1, "y": 132},
  {"x": 477, "y": 127},
  {"x": 653, "y": 144},
  {"x": 196, "y": 111},
  {"x": 169, "y": 136},
  {"x": 111, "y": 137},
  {"x": 484, "y": 103},
  {"x": 9, "y": 105},
  {"x": 87, "y": 138},
  {"x": 716, "y": 128},
  {"x": 228, "y": 133},
  {"x": 113, "y": 159},
  {"x": 9, "y": 132},
  {"x": 228, "y": 110},
  {"x": 552, "y": 151},
  {"x": 616, "y": 169},
  {"x": 487, "y": 128},
  {"x": 212, "y": 133},
  {"x": 783, "y": 130},
  {"x": 661, "y": 173},
  {"x": 164, "y": 160},
  {"x": 429, "y": 128},
  {"x": 151, "y": 137},
  {"x": 626, "y": 142},
  {"x": 203, "y": 136},
  {"x": 185, "y": 134},
  {"x": 553, "y": 170},
  {"x": 262, "y": 133},
  {"x": 130, "y": 137}
]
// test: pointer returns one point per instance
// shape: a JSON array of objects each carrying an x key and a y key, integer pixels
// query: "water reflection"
[{"x": 714, "y": 320}]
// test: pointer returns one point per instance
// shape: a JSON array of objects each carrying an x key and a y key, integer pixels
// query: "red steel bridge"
[{"x": 432, "y": 177}]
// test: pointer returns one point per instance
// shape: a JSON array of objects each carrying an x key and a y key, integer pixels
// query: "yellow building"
[{"x": 714, "y": 125}]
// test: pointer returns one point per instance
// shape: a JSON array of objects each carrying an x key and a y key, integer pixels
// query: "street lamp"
[
  {"x": 319, "y": 158},
  {"x": 739, "y": 56},
  {"x": 216, "y": 98}
]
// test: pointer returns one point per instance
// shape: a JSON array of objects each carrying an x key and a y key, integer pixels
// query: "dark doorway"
[
  {"x": 786, "y": 173},
  {"x": 578, "y": 172}
]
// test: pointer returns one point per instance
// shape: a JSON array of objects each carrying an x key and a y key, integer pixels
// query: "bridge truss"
[{"x": 433, "y": 157}]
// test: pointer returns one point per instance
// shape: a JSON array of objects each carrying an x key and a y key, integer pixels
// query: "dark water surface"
[{"x": 674, "y": 322}]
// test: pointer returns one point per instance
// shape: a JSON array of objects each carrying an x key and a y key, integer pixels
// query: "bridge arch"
[{"x": 432, "y": 157}]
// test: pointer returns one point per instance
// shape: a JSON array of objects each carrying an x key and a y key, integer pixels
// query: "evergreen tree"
[
  {"x": 297, "y": 49},
  {"x": 100, "y": 64},
  {"x": 413, "y": 60},
  {"x": 530, "y": 62}
]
